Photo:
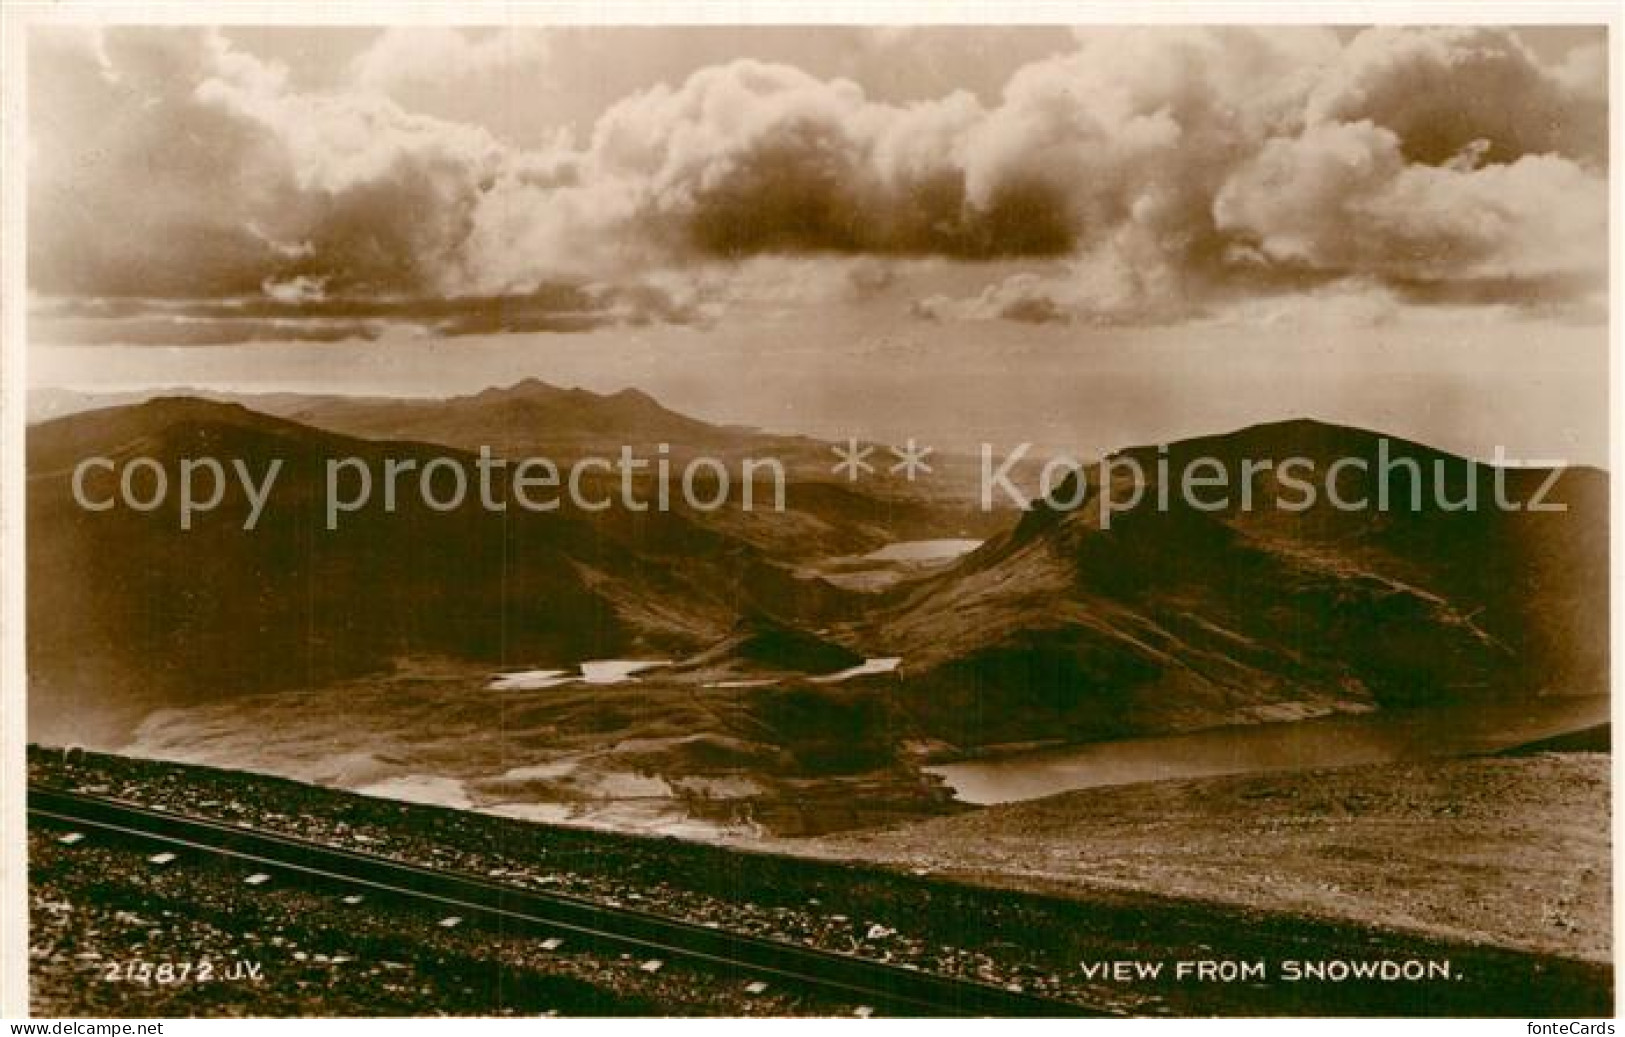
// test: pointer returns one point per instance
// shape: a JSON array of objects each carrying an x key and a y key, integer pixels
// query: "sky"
[{"x": 1084, "y": 238}]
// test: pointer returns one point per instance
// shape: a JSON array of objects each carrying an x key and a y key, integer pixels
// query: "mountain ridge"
[
  {"x": 1059, "y": 627},
  {"x": 1178, "y": 618}
]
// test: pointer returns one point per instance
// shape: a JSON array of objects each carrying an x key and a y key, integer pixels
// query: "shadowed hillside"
[
  {"x": 128, "y": 611},
  {"x": 1182, "y": 618}
]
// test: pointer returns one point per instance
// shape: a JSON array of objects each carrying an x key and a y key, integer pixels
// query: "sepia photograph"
[{"x": 518, "y": 516}]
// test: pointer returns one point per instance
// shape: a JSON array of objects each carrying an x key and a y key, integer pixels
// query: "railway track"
[{"x": 887, "y": 988}]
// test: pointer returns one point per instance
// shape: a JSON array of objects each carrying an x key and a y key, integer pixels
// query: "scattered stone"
[
  {"x": 756, "y": 987},
  {"x": 161, "y": 859},
  {"x": 450, "y": 922},
  {"x": 72, "y": 838},
  {"x": 259, "y": 878},
  {"x": 652, "y": 965}
]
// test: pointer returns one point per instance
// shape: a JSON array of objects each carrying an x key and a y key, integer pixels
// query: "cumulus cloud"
[
  {"x": 1147, "y": 173},
  {"x": 169, "y": 164},
  {"x": 407, "y": 59},
  {"x": 1443, "y": 90},
  {"x": 1022, "y": 297},
  {"x": 1343, "y": 198}
]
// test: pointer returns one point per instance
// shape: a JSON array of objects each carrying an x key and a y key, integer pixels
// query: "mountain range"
[{"x": 1058, "y": 627}]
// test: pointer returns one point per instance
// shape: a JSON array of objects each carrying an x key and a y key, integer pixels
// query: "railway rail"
[{"x": 885, "y": 987}]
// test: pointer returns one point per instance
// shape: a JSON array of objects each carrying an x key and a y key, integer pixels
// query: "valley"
[{"x": 862, "y": 659}]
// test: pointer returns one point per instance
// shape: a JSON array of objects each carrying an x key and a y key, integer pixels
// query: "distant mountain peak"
[
  {"x": 630, "y": 395},
  {"x": 522, "y": 389},
  {"x": 534, "y": 389}
]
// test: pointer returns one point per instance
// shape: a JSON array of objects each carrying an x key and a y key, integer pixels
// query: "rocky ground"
[
  {"x": 114, "y": 934},
  {"x": 95, "y": 906},
  {"x": 1510, "y": 851}
]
